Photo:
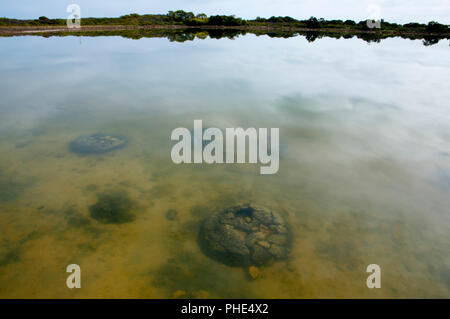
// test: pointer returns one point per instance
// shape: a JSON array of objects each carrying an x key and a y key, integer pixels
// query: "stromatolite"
[
  {"x": 245, "y": 235},
  {"x": 97, "y": 143}
]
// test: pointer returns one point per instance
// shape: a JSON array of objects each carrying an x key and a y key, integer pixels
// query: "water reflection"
[{"x": 182, "y": 35}]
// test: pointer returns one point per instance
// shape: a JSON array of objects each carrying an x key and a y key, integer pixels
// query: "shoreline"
[{"x": 36, "y": 30}]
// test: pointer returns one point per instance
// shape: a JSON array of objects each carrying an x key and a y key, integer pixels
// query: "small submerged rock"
[
  {"x": 97, "y": 143},
  {"x": 254, "y": 272},
  {"x": 114, "y": 208},
  {"x": 179, "y": 294},
  {"x": 245, "y": 235},
  {"x": 171, "y": 214}
]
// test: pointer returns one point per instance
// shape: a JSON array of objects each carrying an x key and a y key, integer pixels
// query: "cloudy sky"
[{"x": 401, "y": 11}]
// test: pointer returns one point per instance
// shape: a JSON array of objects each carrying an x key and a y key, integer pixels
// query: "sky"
[{"x": 400, "y": 11}]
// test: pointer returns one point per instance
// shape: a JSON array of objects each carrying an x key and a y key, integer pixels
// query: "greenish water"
[{"x": 364, "y": 171}]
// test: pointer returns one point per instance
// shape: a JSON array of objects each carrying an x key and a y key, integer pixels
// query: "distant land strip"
[{"x": 181, "y": 20}]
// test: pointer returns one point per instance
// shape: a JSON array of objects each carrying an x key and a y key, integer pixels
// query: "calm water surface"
[{"x": 364, "y": 172}]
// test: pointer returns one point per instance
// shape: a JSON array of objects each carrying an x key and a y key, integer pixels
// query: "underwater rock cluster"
[
  {"x": 245, "y": 235},
  {"x": 97, "y": 143}
]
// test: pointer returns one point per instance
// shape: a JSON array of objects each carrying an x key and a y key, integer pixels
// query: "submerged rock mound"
[
  {"x": 97, "y": 143},
  {"x": 114, "y": 208},
  {"x": 245, "y": 235}
]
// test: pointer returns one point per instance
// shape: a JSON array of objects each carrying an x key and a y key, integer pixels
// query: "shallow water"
[{"x": 364, "y": 172}]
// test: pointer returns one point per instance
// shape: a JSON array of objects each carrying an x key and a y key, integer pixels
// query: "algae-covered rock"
[
  {"x": 245, "y": 235},
  {"x": 113, "y": 208},
  {"x": 97, "y": 143}
]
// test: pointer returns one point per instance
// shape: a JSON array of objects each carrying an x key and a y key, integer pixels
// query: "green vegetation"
[
  {"x": 42, "y": 21},
  {"x": 437, "y": 27},
  {"x": 226, "y": 20}
]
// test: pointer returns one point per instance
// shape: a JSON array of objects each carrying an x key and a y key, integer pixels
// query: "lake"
[{"x": 364, "y": 174}]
